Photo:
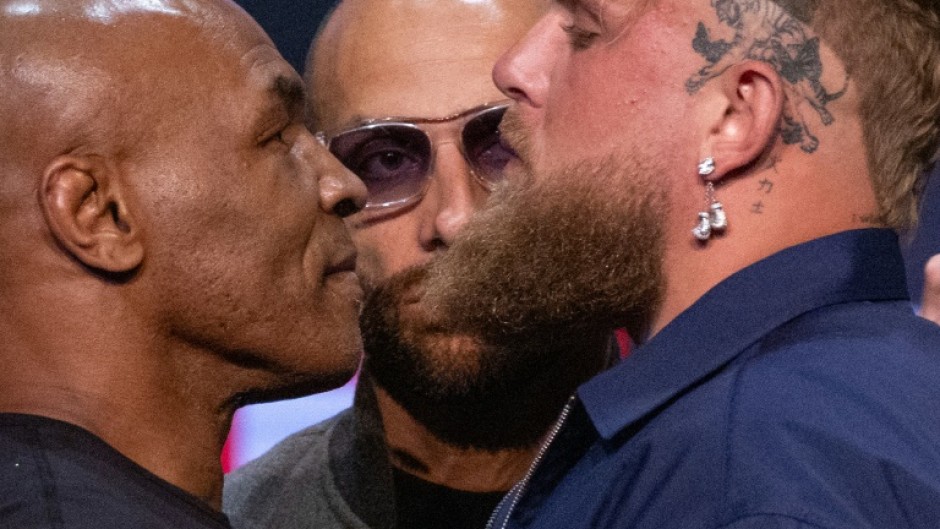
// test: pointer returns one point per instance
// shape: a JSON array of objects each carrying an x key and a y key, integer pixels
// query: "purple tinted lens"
[
  {"x": 486, "y": 153},
  {"x": 391, "y": 159}
]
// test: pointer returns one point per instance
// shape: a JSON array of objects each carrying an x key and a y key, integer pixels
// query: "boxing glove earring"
[
  {"x": 714, "y": 219},
  {"x": 703, "y": 231}
]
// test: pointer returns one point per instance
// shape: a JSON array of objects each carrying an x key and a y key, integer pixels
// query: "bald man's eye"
[
  {"x": 275, "y": 138},
  {"x": 387, "y": 164}
]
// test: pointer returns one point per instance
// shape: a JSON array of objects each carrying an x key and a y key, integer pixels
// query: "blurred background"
[{"x": 292, "y": 25}]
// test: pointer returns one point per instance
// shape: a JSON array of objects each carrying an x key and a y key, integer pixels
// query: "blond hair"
[{"x": 891, "y": 50}]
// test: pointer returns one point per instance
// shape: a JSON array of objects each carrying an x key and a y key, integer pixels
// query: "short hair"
[{"x": 891, "y": 51}]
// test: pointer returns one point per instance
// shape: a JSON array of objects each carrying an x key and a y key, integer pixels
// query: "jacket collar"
[
  {"x": 359, "y": 460},
  {"x": 849, "y": 266}
]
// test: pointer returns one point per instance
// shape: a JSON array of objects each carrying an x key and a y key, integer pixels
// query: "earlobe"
[
  {"x": 746, "y": 129},
  {"x": 87, "y": 214}
]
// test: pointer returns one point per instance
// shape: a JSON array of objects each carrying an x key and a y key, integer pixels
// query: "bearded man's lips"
[{"x": 413, "y": 312}]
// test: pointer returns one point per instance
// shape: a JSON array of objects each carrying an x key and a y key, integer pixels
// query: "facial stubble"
[{"x": 486, "y": 343}]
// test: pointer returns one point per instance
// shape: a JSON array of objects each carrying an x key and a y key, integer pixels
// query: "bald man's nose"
[
  {"x": 341, "y": 192},
  {"x": 454, "y": 195}
]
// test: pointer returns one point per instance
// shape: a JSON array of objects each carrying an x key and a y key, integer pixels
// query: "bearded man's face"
[
  {"x": 557, "y": 251},
  {"x": 552, "y": 259}
]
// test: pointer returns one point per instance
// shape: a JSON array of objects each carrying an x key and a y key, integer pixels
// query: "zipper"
[{"x": 519, "y": 488}]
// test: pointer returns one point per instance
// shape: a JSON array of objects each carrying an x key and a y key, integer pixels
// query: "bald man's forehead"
[
  {"x": 100, "y": 10},
  {"x": 412, "y": 57},
  {"x": 139, "y": 62},
  {"x": 224, "y": 20},
  {"x": 375, "y": 21}
]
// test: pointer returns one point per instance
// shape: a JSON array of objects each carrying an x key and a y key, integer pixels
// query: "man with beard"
[
  {"x": 172, "y": 247},
  {"x": 440, "y": 431},
  {"x": 749, "y": 158}
]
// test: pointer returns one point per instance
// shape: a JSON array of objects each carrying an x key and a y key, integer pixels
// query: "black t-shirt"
[
  {"x": 424, "y": 505},
  {"x": 54, "y": 475}
]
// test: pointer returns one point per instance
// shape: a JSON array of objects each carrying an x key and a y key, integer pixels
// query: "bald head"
[
  {"x": 92, "y": 71},
  {"x": 100, "y": 81},
  {"x": 408, "y": 57},
  {"x": 141, "y": 142}
]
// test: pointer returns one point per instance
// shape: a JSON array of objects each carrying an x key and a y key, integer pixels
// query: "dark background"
[
  {"x": 293, "y": 23},
  {"x": 926, "y": 240}
]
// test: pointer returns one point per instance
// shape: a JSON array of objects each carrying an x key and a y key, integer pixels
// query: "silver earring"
[
  {"x": 713, "y": 219},
  {"x": 703, "y": 231},
  {"x": 719, "y": 220},
  {"x": 706, "y": 166}
]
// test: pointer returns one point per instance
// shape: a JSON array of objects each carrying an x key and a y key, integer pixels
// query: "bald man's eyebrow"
[{"x": 290, "y": 92}]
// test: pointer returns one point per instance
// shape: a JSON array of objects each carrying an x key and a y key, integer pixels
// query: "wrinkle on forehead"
[{"x": 103, "y": 11}]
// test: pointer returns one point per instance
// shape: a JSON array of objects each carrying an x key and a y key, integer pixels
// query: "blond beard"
[{"x": 575, "y": 248}]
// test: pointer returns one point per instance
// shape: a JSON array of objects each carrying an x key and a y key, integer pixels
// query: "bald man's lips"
[
  {"x": 341, "y": 273},
  {"x": 344, "y": 262}
]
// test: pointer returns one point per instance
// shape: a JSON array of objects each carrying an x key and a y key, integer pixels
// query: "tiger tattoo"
[{"x": 766, "y": 32}]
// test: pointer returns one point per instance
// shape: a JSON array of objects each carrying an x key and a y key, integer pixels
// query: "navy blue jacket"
[{"x": 799, "y": 393}]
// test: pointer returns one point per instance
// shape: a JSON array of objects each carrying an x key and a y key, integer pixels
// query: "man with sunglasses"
[{"x": 402, "y": 93}]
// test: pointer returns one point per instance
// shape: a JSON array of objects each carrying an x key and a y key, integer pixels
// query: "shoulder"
[
  {"x": 838, "y": 397},
  {"x": 847, "y": 369},
  {"x": 875, "y": 324},
  {"x": 56, "y": 475},
  {"x": 879, "y": 351},
  {"x": 293, "y": 485},
  {"x": 300, "y": 456}
]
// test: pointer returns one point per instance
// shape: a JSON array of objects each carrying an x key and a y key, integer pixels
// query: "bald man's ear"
[
  {"x": 745, "y": 110},
  {"x": 87, "y": 213}
]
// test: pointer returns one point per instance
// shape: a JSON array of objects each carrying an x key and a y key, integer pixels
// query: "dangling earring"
[
  {"x": 703, "y": 231},
  {"x": 714, "y": 218},
  {"x": 719, "y": 220}
]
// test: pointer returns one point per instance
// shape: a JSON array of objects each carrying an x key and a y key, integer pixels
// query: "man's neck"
[
  {"x": 794, "y": 200},
  {"x": 150, "y": 409},
  {"x": 416, "y": 450}
]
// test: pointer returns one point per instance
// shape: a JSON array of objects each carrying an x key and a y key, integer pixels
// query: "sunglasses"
[{"x": 394, "y": 156}]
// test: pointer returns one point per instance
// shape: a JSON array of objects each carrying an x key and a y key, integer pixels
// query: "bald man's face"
[
  {"x": 414, "y": 60},
  {"x": 236, "y": 202},
  {"x": 418, "y": 60},
  {"x": 242, "y": 201}
]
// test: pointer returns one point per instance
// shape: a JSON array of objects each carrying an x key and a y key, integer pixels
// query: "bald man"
[
  {"x": 403, "y": 92},
  {"x": 172, "y": 247}
]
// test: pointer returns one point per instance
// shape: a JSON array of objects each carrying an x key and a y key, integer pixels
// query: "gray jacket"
[{"x": 332, "y": 475}]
